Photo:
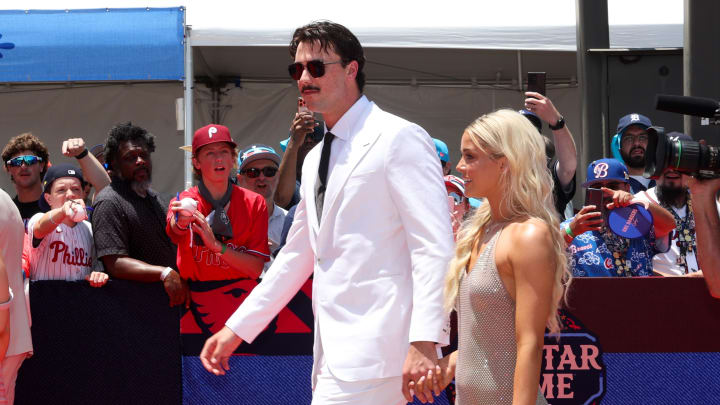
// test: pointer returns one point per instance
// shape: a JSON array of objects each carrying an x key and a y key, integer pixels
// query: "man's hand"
[
  {"x": 701, "y": 189},
  {"x": 421, "y": 358},
  {"x": 302, "y": 124},
  {"x": 177, "y": 289},
  {"x": 184, "y": 218},
  {"x": 97, "y": 278},
  {"x": 542, "y": 107},
  {"x": 73, "y": 147},
  {"x": 217, "y": 351},
  {"x": 587, "y": 219}
]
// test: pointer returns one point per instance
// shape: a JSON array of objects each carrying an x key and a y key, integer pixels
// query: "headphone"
[{"x": 615, "y": 147}]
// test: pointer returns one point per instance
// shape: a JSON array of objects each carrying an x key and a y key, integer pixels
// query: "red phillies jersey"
[{"x": 249, "y": 220}]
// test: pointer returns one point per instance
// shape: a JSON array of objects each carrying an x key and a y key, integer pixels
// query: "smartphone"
[
  {"x": 536, "y": 82},
  {"x": 302, "y": 107},
  {"x": 596, "y": 197}
]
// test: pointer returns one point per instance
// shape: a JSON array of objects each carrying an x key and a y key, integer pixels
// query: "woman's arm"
[{"x": 533, "y": 269}]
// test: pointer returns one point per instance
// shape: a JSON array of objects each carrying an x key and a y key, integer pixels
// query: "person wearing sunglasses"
[
  {"x": 25, "y": 158},
  {"x": 225, "y": 237},
  {"x": 373, "y": 226},
  {"x": 258, "y": 172}
]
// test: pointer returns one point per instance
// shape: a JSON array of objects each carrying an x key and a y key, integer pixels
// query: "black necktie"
[{"x": 321, "y": 184}]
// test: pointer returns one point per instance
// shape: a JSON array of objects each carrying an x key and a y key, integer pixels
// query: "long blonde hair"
[{"x": 529, "y": 194}]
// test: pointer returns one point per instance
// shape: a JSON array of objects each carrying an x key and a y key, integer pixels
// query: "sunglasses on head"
[
  {"x": 254, "y": 172},
  {"x": 29, "y": 160},
  {"x": 315, "y": 67}
]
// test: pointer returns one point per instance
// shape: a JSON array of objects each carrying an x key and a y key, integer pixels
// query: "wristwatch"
[{"x": 560, "y": 124}]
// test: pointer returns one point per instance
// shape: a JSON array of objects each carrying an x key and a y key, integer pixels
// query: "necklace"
[{"x": 684, "y": 232}]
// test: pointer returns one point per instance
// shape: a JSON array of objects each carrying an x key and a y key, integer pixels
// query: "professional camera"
[{"x": 685, "y": 156}]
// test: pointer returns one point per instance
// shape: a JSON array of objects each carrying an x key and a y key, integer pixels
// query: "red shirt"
[{"x": 249, "y": 220}]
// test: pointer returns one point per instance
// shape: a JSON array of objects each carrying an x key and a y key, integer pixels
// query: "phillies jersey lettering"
[{"x": 79, "y": 257}]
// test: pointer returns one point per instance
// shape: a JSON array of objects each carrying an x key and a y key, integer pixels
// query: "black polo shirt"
[
  {"x": 127, "y": 224},
  {"x": 561, "y": 195}
]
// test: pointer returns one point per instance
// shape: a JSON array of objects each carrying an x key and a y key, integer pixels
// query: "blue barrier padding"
[
  {"x": 662, "y": 378},
  {"x": 91, "y": 45}
]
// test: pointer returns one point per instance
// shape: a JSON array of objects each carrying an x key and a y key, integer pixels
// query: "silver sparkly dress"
[{"x": 486, "y": 342}]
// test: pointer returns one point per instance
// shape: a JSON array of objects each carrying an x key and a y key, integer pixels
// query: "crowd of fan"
[{"x": 101, "y": 219}]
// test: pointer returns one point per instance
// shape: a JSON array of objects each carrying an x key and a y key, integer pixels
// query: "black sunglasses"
[
  {"x": 315, "y": 67},
  {"x": 28, "y": 160},
  {"x": 254, "y": 172}
]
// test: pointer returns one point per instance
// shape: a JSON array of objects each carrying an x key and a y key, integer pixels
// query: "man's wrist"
[
  {"x": 165, "y": 273},
  {"x": 82, "y": 154}
]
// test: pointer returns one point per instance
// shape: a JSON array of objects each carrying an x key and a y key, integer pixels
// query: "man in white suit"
[{"x": 374, "y": 227}]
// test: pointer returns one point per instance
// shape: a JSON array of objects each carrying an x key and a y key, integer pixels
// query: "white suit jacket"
[{"x": 379, "y": 255}]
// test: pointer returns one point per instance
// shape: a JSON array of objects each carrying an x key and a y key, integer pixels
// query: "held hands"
[
  {"x": 421, "y": 360},
  {"x": 542, "y": 107},
  {"x": 217, "y": 350},
  {"x": 73, "y": 147}
]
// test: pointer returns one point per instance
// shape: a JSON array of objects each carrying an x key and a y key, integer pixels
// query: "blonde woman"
[{"x": 507, "y": 278}]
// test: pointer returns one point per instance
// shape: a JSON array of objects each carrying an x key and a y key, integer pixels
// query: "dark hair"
[
  {"x": 333, "y": 37},
  {"x": 27, "y": 141},
  {"x": 126, "y": 132}
]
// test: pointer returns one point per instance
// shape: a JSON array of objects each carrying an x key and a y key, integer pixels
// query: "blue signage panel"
[{"x": 91, "y": 45}]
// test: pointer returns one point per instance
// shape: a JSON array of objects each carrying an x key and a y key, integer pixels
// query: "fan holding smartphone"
[
  {"x": 305, "y": 132},
  {"x": 595, "y": 249}
]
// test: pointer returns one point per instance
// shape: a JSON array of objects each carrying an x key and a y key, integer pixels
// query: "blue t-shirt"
[{"x": 590, "y": 256}]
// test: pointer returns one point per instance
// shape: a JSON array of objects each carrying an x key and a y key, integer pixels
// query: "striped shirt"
[{"x": 66, "y": 253}]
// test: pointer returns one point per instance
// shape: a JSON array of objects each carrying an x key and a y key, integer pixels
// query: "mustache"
[
  {"x": 637, "y": 148},
  {"x": 308, "y": 87}
]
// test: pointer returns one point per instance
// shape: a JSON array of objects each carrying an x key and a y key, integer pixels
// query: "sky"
[{"x": 284, "y": 14}]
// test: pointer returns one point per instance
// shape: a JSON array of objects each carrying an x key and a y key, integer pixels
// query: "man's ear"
[
  {"x": 352, "y": 69},
  {"x": 46, "y": 196}
]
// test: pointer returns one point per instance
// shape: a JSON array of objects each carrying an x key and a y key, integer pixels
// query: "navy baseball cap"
[
  {"x": 55, "y": 172},
  {"x": 442, "y": 150},
  {"x": 606, "y": 169},
  {"x": 633, "y": 119},
  {"x": 533, "y": 118}
]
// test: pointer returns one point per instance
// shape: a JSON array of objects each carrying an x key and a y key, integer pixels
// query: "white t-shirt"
[
  {"x": 66, "y": 253},
  {"x": 666, "y": 263},
  {"x": 644, "y": 181}
]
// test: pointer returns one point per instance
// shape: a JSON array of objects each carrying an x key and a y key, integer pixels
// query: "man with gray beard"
[{"x": 129, "y": 219}]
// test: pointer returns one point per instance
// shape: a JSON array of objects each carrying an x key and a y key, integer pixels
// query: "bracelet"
[
  {"x": 165, "y": 273},
  {"x": 82, "y": 154},
  {"x": 224, "y": 248},
  {"x": 569, "y": 231},
  {"x": 52, "y": 221}
]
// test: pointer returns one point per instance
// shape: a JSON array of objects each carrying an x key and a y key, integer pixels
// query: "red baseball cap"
[{"x": 208, "y": 134}]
